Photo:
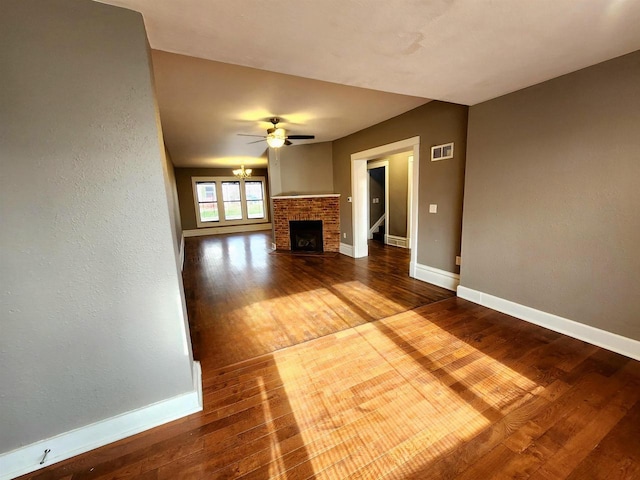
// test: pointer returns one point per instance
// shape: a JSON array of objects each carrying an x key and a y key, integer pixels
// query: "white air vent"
[{"x": 442, "y": 152}]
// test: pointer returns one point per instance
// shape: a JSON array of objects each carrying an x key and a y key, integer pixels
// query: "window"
[
  {"x": 207, "y": 201},
  {"x": 232, "y": 201},
  {"x": 255, "y": 201},
  {"x": 229, "y": 201}
]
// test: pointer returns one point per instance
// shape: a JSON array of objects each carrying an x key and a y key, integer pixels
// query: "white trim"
[
  {"x": 435, "y": 276},
  {"x": 200, "y": 232},
  {"x": 396, "y": 241},
  {"x": 324, "y": 195},
  {"x": 181, "y": 253},
  {"x": 371, "y": 164},
  {"x": 376, "y": 225},
  {"x": 601, "y": 338},
  {"x": 69, "y": 444},
  {"x": 359, "y": 206},
  {"x": 409, "y": 197},
  {"x": 197, "y": 384},
  {"x": 388, "y": 149},
  {"x": 346, "y": 249},
  {"x": 412, "y": 228}
]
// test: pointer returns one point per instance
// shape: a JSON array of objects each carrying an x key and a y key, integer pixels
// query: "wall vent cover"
[{"x": 442, "y": 152}]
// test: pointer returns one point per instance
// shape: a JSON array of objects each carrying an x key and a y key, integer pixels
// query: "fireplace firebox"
[{"x": 306, "y": 235}]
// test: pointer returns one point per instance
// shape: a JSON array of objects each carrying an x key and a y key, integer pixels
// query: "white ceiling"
[{"x": 462, "y": 51}]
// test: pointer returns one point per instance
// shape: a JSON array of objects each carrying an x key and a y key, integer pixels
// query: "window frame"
[
  {"x": 222, "y": 221},
  {"x": 198, "y": 202}
]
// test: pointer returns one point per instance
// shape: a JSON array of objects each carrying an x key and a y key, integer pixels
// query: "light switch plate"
[{"x": 433, "y": 208}]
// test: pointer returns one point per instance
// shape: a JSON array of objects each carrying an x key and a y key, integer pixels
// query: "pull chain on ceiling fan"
[{"x": 276, "y": 136}]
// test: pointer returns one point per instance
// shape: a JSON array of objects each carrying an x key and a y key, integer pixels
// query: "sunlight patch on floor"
[
  {"x": 380, "y": 397},
  {"x": 276, "y": 467},
  {"x": 319, "y": 310}
]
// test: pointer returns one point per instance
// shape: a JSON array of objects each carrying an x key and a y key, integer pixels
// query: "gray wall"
[
  {"x": 172, "y": 196},
  {"x": 91, "y": 319},
  {"x": 440, "y": 182},
  {"x": 552, "y": 199},
  {"x": 301, "y": 169},
  {"x": 185, "y": 189},
  {"x": 398, "y": 191}
]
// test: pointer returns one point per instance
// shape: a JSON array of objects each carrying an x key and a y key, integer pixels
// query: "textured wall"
[
  {"x": 91, "y": 318},
  {"x": 172, "y": 196},
  {"x": 440, "y": 182},
  {"x": 398, "y": 191},
  {"x": 551, "y": 216},
  {"x": 303, "y": 169}
]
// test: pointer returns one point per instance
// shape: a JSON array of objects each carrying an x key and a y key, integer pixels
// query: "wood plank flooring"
[
  {"x": 244, "y": 301},
  {"x": 355, "y": 371}
]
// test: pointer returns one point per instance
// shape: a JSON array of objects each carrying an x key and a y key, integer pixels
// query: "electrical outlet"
[
  {"x": 344, "y": 235},
  {"x": 433, "y": 208},
  {"x": 458, "y": 260}
]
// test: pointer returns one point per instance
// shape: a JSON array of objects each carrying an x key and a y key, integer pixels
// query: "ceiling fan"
[{"x": 276, "y": 136}]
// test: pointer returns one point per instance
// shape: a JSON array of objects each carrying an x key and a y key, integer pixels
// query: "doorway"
[
  {"x": 360, "y": 195},
  {"x": 378, "y": 200}
]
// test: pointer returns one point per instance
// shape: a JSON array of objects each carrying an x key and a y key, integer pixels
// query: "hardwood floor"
[
  {"x": 244, "y": 301},
  {"x": 334, "y": 368}
]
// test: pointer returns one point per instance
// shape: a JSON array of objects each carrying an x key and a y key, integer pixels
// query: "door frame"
[{"x": 360, "y": 195}]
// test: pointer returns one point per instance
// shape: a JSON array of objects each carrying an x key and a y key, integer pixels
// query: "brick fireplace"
[{"x": 325, "y": 208}]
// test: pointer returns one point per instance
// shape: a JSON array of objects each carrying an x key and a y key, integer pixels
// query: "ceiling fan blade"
[
  {"x": 248, "y": 135},
  {"x": 287, "y": 142},
  {"x": 256, "y": 141},
  {"x": 301, "y": 137}
]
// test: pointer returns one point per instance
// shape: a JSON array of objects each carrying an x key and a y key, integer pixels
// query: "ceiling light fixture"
[
  {"x": 242, "y": 173},
  {"x": 276, "y": 138}
]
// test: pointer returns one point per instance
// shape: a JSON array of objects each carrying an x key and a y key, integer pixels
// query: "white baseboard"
[
  {"x": 601, "y": 338},
  {"x": 251, "y": 227},
  {"x": 438, "y": 277},
  {"x": 346, "y": 249},
  {"x": 396, "y": 241},
  {"x": 181, "y": 253},
  {"x": 69, "y": 444}
]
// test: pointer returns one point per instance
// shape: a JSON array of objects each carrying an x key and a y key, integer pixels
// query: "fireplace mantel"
[
  {"x": 321, "y": 195},
  {"x": 325, "y": 207}
]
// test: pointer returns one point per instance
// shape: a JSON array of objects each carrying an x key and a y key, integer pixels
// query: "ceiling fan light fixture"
[
  {"x": 276, "y": 138},
  {"x": 242, "y": 172}
]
